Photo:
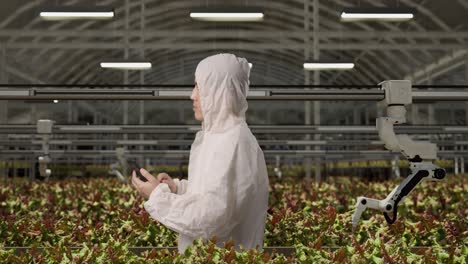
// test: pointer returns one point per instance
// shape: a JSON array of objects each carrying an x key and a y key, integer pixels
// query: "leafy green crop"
[{"x": 98, "y": 219}]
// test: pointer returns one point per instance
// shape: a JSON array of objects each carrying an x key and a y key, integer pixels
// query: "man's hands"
[
  {"x": 145, "y": 188},
  {"x": 165, "y": 178}
]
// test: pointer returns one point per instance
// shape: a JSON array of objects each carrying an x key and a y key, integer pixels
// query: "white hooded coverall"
[{"x": 226, "y": 194}]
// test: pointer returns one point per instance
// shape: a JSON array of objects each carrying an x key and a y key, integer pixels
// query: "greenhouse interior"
[{"x": 292, "y": 131}]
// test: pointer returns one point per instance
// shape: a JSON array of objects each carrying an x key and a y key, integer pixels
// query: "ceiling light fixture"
[
  {"x": 227, "y": 14},
  {"x": 319, "y": 66},
  {"x": 126, "y": 65},
  {"x": 76, "y": 12},
  {"x": 385, "y": 14}
]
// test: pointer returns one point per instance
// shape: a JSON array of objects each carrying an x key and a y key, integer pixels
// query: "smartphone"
[{"x": 135, "y": 167}]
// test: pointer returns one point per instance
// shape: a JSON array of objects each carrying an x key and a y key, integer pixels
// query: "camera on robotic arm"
[{"x": 420, "y": 154}]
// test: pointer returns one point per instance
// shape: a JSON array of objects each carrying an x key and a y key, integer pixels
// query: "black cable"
[{"x": 404, "y": 192}]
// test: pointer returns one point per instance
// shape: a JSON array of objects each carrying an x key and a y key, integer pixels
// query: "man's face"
[{"x": 196, "y": 103}]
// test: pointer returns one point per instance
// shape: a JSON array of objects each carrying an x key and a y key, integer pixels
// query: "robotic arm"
[
  {"x": 44, "y": 128},
  {"x": 420, "y": 154},
  {"x": 121, "y": 162}
]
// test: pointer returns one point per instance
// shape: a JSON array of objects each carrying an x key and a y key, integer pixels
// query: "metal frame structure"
[
  {"x": 264, "y": 94},
  {"x": 285, "y": 18},
  {"x": 425, "y": 49},
  {"x": 257, "y": 129}
]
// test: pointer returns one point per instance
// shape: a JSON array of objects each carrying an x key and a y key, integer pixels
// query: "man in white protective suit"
[{"x": 226, "y": 194}]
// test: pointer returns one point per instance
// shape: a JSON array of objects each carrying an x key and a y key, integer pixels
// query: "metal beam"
[
  {"x": 12, "y": 70},
  {"x": 141, "y": 142},
  {"x": 379, "y": 59},
  {"x": 273, "y": 94},
  {"x": 326, "y": 21},
  {"x": 157, "y": 13},
  {"x": 216, "y": 45},
  {"x": 337, "y": 34},
  {"x": 442, "y": 65},
  {"x": 18, "y": 73},
  {"x": 371, "y": 154},
  {"x": 260, "y": 129},
  {"x": 26, "y": 77},
  {"x": 167, "y": 32},
  {"x": 463, "y": 3},
  {"x": 88, "y": 64},
  {"x": 236, "y": 33}
]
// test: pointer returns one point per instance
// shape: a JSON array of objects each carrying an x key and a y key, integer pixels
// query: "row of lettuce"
[
  {"x": 105, "y": 219},
  {"x": 287, "y": 170}
]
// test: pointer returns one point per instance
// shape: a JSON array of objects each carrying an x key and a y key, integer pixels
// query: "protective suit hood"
[{"x": 223, "y": 83}]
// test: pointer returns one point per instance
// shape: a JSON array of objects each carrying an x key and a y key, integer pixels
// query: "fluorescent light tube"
[
  {"x": 77, "y": 12},
  {"x": 233, "y": 17},
  {"x": 76, "y": 15},
  {"x": 385, "y": 14},
  {"x": 227, "y": 14},
  {"x": 317, "y": 66},
  {"x": 127, "y": 65},
  {"x": 371, "y": 16},
  {"x": 56, "y": 101}
]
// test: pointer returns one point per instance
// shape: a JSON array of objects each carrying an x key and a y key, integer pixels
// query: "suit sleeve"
[
  {"x": 181, "y": 186},
  {"x": 206, "y": 214}
]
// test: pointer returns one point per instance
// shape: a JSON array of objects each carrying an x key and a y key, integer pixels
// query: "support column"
[
  {"x": 3, "y": 79},
  {"x": 366, "y": 117},
  {"x": 462, "y": 165},
  {"x": 3, "y": 105},
  {"x": 431, "y": 114},
  {"x": 70, "y": 111},
  {"x": 466, "y": 81},
  {"x": 97, "y": 121},
  {"x": 15, "y": 168},
  {"x": 307, "y": 104},
  {"x": 415, "y": 114},
  {"x": 33, "y": 117},
  {"x": 181, "y": 110},
  {"x": 380, "y": 110},
  {"x": 32, "y": 168},
  {"x": 142, "y": 77},
  {"x": 356, "y": 116},
  {"x": 430, "y": 108},
  {"x": 70, "y": 120},
  {"x": 125, "y": 76},
  {"x": 125, "y": 81},
  {"x": 268, "y": 114},
  {"x": 453, "y": 117},
  {"x": 318, "y": 162}
]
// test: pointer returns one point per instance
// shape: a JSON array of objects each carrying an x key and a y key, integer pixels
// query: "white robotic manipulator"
[
  {"x": 420, "y": 154},
  {"x": 44, "y": 129}
]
